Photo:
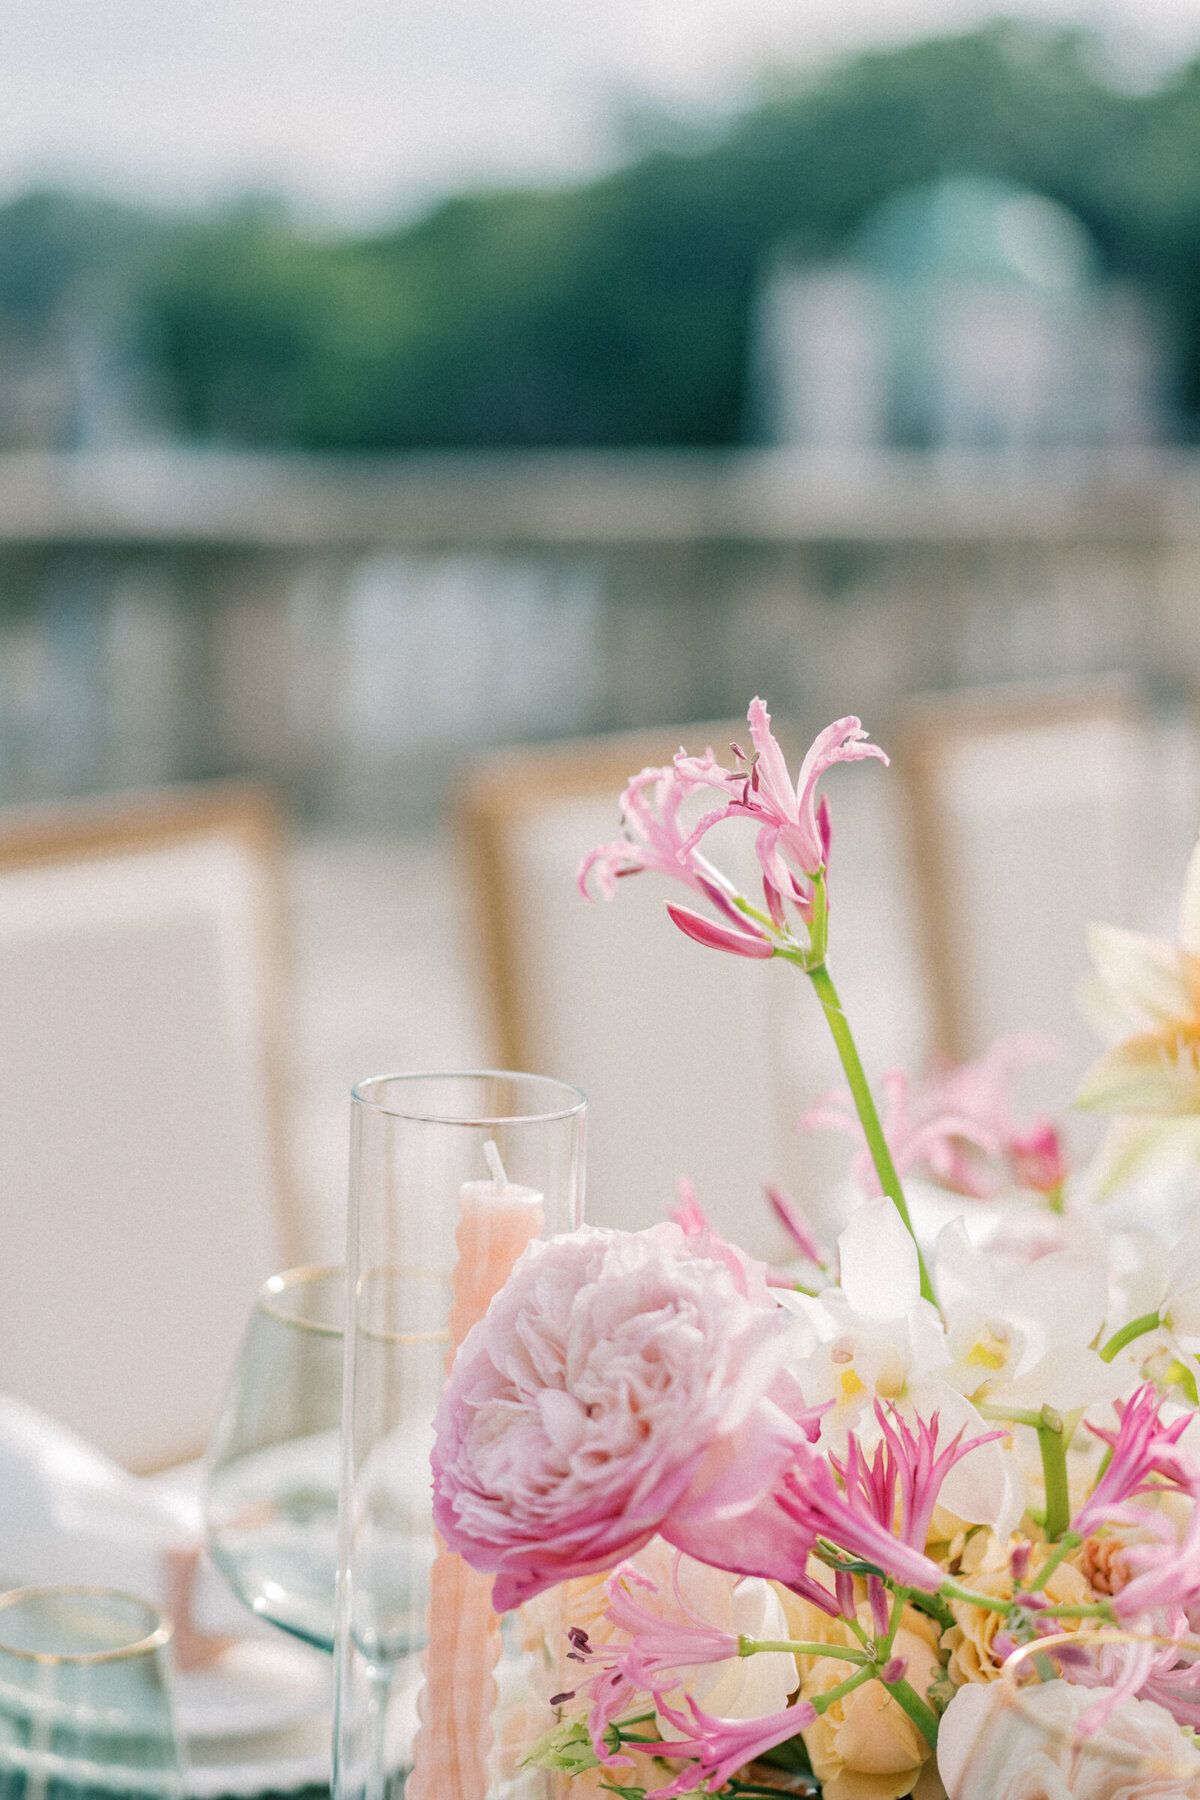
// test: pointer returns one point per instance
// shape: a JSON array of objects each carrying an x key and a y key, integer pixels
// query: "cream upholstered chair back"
[
  {"x": 1032, "y": 815},
  {"x": 140, "y": 1151}
]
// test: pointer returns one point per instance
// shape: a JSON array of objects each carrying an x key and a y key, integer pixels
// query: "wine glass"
[
  {"x": 272, "y": 1468},
  {"x": 1044, "y": 1727},
  {"x": 85, "y": 1701}
]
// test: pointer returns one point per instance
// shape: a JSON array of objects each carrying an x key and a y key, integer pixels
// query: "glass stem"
[
  {"x": 864, "y": 1103},
  {"x": 379, "y": 1688}
]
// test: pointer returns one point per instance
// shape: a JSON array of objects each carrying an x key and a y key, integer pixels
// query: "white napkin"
[{"x": 68, "y": 1513}]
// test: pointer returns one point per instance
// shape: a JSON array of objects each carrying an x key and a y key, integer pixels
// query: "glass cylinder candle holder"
[{"x": 451, "y": 1176}]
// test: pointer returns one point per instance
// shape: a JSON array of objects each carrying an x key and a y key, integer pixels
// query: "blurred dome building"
[{"x": 966, "y": 314}]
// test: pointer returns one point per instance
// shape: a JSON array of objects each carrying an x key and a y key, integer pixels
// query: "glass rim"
[
  {"x": 361, "y": 1095},
  {"x": 157, "y": 1638},
  {"x": 1016, "y": 1697},
  {"x": 288, "y": 1280}
]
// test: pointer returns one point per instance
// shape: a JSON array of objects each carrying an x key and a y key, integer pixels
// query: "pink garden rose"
[{"x": 619, "y": 1386}]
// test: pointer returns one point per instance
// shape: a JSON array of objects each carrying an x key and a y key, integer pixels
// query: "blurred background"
[{"x": 384, "y": 385}]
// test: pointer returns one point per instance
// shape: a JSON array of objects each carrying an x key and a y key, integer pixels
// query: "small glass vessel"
[{"x": 85, "y": 1699}]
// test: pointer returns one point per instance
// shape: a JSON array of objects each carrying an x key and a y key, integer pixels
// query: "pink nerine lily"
[
  {"x": 653, "y": 837},
  {"x": 1146, "y": 1456},
  {"x": 793, "y": 1222},
  {"x": 959, "y": 1127},
  {"x": 658, "y": 1650},
  {"x": 1166, "y": 1673},
  {"x": 721, "y": 1747},
  {"x": 1142, "y": 1447},
  {"x": 793, "y": 842},
  {"x": 661, "y": 1647},
  {"x": 906, "y": 1465},
  {"x": 862, "y": 1520},
  {"x": 792, "y": 846}
]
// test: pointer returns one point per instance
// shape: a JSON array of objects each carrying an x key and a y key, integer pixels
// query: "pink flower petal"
[{"x": 719, "y": 937}]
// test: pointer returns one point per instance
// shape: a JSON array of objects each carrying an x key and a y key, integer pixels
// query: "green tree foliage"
[{"x": 619, "y": 312}]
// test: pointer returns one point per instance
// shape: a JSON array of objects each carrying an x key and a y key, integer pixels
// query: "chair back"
[
  {"x": 140, "y": 1153},
  {"x": 1029, "y": 812}
]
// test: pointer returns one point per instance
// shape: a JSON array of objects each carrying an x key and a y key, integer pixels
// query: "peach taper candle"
[{"x": 496, "y": 1219}]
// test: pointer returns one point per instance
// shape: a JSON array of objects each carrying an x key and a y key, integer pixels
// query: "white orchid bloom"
[
  {"x": 1023, "y": 1339},
  {"x": 874, "y": 1338},
  {"x": 1147, "y": 1003},
  {"x": 873, "y": 1335},
  {"x": 1158, "y": 1304},
  {"x": 1179, "y": 1308}
]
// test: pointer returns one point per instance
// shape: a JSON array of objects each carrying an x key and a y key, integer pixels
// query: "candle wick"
[{"x": 494, "y": 1163}]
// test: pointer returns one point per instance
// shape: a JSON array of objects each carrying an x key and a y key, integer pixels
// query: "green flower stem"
[
  {"x": 1052, "y": 1444},
  {"x": 1010, "y": 1415},
  {"x": 1070, "y": 1540},
  {"x": 1136, "y": 1328},
  {"x": 818, "y": 931},
  {"x": 748, "y": 1646},
  {"x": 884, "y": 1650},
  {"x": 918, "y": 1710},
  {"x": 1101, "y": 1610},
  {"x": 822, "y": 1702},
  {"x": 881, "y": 1156},
  {"x": 953, "y": 1590},
  {"x": 934, "y": 1607},
  {"x": 1053, "y": 1438}
]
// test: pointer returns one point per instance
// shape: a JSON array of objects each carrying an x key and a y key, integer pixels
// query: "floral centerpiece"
[{"x": 781, "y": 1530}]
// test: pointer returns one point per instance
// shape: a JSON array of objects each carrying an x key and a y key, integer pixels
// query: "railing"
[{"x": 355, "y": 628}]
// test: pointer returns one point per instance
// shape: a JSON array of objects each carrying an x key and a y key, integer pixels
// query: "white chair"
[
  {"x": 1032, "y": 814},
  {"x": 140, "y": 1151}
]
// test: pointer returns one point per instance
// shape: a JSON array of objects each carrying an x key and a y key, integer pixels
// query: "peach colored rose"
[
  {"x": 866, "y": 1747},
  {"x": 986, "y": 1570},
  {"x": 1102, "y": 1560}
]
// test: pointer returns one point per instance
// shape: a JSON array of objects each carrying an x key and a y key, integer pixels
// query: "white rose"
[{"x": 992, "y": 1749}]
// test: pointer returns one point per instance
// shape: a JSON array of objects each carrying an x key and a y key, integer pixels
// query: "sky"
[{"x": 357, "y": 110}]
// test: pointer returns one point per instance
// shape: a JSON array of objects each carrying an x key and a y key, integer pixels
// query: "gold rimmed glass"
[
  {"x": 273, "y": 1464},
  {"x": 85, "y": 1700},
  {"x": 451, "y": 1176},
  {"x": 1043, "y": 1728}
]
